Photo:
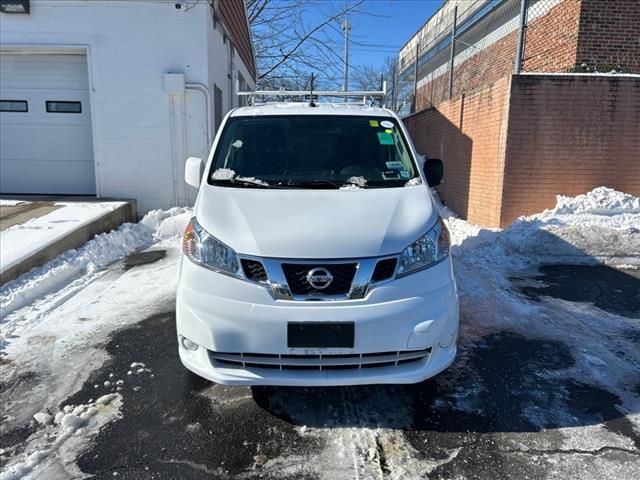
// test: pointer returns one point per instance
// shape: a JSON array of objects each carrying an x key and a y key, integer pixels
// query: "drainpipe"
[{"x": 198, "y": 87}]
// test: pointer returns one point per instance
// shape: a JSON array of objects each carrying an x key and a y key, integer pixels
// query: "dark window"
[
  {"x": 63, "y": 107},
  {"x": 14, "y": 106},
  {"x": 314, "y": 151}
]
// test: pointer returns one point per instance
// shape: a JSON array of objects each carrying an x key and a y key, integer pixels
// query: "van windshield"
[{"x": 312, "y": 151}]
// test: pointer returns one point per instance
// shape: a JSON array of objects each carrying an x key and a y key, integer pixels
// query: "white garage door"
[{"x": 45, "y": 125}]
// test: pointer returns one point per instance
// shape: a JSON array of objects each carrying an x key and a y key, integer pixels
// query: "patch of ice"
[
  {"x": 223, "y": 174},
  {"x": 413, "y": 182}
]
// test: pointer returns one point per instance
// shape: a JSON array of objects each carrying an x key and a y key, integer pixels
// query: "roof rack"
[{"x": 311, "y": 94}]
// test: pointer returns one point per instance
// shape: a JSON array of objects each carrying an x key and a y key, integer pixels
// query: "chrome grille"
[
  {"x": 286, "y": 279},
  {"x": 296, "y": 275},
  {"x": 318, "y": 362}
]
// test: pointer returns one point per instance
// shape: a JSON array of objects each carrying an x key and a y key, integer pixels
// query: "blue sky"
[{"x": 388, "y": 26}]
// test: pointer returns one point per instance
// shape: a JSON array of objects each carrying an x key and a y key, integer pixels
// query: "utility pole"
[
  {"x": 346, "y": 28},
  {"x": 394, "y": 96}
]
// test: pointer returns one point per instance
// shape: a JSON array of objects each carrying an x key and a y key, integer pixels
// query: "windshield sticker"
[
  {"x": 373, "y": 123},
  {"x": 386, "y": 124},
  {"x": 391, "y": 175},
  {"x": 404, "y": 174},
  {"x": 237, "y": 144},
  {"x": 388, "y": 130},
  {"x": 395, "y": 165},
  {"x": 385, "y": 138}
]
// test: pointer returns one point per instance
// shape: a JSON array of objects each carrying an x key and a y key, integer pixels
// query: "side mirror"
[
  {"x": 193, "y": 170},
  {"x": 434, "y": 171}
]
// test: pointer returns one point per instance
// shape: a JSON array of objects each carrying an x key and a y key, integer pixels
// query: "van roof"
[{"x": 303, "y": 108}]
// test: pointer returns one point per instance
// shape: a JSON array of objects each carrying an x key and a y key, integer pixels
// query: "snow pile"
[
  {"x": 255, "y": 180},
  {"x": 600, "y": 226},
  {"x": 78, "y": 266},
  {"x": 601, "y": 201},
  {"x": 359, "y": 181},
  {"x": 167, "y": 224},
  {"x": 223, "y": 174},
  {"x": 26, "y": 239},
  {"x": 68, "y": 431},
  {"x": 491, "y": 264},
  {"x": 350, "y": 187}
]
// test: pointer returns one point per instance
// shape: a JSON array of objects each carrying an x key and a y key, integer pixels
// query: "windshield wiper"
[
  {"x": 326, "y": 184},
  {"x": 245, "y": 182}
]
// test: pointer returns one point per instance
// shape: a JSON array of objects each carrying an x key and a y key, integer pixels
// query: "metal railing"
[{"x": 470, "y": 44}]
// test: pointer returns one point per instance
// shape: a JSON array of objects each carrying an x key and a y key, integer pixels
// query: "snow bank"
[
  {"x": 78, "y": 266},
  {"x": 490, "y": 264},
  {"x": 11, "y": 203},
  {"x": 601, "y": 201},
  {"x": 21, "y": 241},
  {"x": 600, "y": 226}
]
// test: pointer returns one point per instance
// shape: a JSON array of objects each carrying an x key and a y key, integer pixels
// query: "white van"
[{"x": 316, "y": 255}]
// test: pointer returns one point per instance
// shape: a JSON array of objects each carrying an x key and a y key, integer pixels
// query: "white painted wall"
[{"x": 130, "y": 46}]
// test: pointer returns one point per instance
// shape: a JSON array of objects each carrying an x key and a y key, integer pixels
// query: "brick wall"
[
  {"x": 468, "y": 134},
  {"x": 550, "y": 46},
  {"x": 568, "y": 134},
  {"x": 514, "y": 145},
  {"x": 551, "y": 40},
  {"x": 609, "y": 34},
  {"x": 511, "y": 144}
]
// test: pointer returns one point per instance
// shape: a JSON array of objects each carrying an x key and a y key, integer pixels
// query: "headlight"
[
  {"x": 426, "y": 251},
  {"x": 206, "y": 250}
]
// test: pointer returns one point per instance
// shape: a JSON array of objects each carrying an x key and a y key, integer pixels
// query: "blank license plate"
[{"x": 320, "y": 335}]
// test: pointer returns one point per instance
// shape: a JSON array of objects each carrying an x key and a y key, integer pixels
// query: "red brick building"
[{"x": 511, "y": 143}]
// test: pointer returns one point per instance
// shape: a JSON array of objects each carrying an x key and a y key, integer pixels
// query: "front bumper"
[{"x": 224, "y": 314}]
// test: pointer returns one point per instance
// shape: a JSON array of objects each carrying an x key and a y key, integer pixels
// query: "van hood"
[{"x": 316, "y": 224}]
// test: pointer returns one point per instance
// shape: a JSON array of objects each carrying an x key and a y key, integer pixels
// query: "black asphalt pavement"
[{"x": 476, "y": 421}]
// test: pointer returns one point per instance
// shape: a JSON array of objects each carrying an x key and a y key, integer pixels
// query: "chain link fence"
[{"x": 468, "y": 44}]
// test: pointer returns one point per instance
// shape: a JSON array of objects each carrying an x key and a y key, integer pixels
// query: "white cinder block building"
[{"x": 109, "y": 97}]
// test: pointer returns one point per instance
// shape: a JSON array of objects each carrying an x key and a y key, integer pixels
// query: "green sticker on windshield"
[{"x": 385, "y": 138}]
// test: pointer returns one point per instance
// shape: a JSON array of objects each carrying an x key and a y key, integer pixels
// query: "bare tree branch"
[{"x": 293, "y": 38}]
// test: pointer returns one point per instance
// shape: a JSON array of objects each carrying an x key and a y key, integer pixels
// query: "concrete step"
[{"x": 15, "y": 216}]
